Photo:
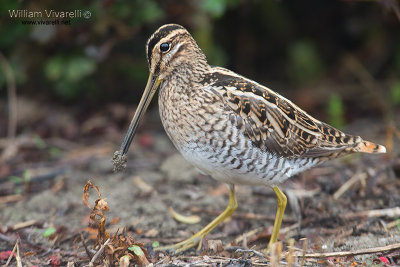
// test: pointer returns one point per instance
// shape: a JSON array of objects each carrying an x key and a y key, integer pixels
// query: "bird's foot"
[{"x": 184, "y": 245}]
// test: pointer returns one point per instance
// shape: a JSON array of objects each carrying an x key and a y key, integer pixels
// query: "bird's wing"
[{"x": 274, "y": 123}]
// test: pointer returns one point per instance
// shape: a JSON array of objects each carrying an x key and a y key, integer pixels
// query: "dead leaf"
[
  {"x": 193, "y": 219},
  {"x": 116, "y": 248},
  {"x": 85, "y": 196}
]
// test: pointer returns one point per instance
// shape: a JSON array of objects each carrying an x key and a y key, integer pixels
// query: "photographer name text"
[{"x": 24, "y": 13}]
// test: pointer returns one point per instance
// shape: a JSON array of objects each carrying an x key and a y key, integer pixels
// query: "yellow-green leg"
[
  {"x": 196, "y": 238},
  {"x": 281, "y": 205}
]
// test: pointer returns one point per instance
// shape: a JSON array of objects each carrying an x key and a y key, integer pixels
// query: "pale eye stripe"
[{"x": 173, "y": 51}]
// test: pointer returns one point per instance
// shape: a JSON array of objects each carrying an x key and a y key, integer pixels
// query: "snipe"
[{"x": 231, "y": 127}]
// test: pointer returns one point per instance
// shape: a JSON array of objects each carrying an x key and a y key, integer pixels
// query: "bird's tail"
[{"x": 369, "y": 147}]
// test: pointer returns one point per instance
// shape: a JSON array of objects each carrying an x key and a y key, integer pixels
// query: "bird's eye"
[{"x": 164, "y": 47}]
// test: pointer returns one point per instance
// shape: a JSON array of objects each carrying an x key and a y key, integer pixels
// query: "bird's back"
[{"x": 277, "y": 125}]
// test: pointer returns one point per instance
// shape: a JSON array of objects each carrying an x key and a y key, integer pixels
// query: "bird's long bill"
[{"x": 151, "y": 87}]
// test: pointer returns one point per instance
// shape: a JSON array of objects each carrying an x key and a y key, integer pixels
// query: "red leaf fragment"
[
  {"x": 54, "y": 261},
  {"x": 146, "y": 140},
  {"x": 5, "y": 254},
  {"x": 384, "y": 260}
]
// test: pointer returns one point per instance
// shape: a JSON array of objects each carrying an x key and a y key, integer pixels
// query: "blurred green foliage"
[
  {"x": 335, "y": 111},
  {"x": 102, "y": 59},
  {"x": 305, "y": 62},
  {"x": 67, "y": 73},
  {"x": 395, "y": 93},
  {"x": 143, "y": 11},
  {"x": 217, "y": 8},
  {"x": 26, "y": 177}
]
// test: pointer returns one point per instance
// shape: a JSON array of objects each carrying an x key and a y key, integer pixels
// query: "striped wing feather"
[{"x": 276, "y": 124}]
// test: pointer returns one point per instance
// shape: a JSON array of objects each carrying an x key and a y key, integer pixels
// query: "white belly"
[{"x": 254, "y": 167}]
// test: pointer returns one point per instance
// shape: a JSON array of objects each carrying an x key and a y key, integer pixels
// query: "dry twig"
[
  {"x": 11, "y": 255},
  {"x": 290, "y": 255},
  {"x": 352, "y": 253},
  {"x": 255, "y": 252},
  {"x": 10, "y": 198},
  {"x": 357, "y": 177},
  {"x": 85, "y": 246},
  {"x": 392, "y": 224},
  {"x": 242, "y": 215},
  {"x": 303, "y": 253},
  {"x": 21, "y": 225},
  {"x": 248, "y": 234},
  {"x": 98, "y": 253},
  {"x": 18, "y": 257},
  {"x": 389, "y": 212}
]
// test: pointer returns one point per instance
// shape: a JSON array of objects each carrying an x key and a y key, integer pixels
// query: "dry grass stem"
[
  {"x": 23, "y": 224},
  {"x": 305, "y": 245},
  {"x": 349, "y": 183},
  {"x": 389, "y": 212},
  {"x": 18, "y": 257},
  {"x": 352, "y": 253},
  {"x": 11, "y": 255},
  {"x": 98, "y": 253}
]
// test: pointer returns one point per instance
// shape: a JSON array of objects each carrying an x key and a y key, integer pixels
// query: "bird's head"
[{"x": 170, "y": 49}]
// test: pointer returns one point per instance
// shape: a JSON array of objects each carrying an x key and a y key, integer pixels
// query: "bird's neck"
[{"x": 188, "y": 74}]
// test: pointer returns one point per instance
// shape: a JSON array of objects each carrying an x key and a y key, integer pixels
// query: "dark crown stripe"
[{"x": 158, "y": 35}]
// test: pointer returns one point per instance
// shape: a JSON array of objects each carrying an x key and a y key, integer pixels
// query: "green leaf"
[
  {"x": 27, "y": 176},
  {"x": 49, "y": 232},
  {"x": 137, "y": 250},
  {"x": 16, "y": 179}
]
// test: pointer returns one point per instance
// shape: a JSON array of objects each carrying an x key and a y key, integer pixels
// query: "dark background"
[{"x": 339, "y": 60}]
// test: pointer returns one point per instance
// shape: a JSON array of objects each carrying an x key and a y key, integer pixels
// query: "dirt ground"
[{"x": 344, "y": 206}]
